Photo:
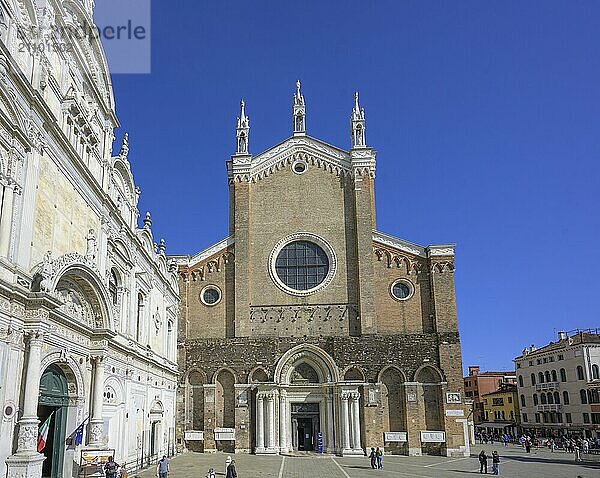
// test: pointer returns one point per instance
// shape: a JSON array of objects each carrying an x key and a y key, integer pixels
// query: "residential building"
[
  {"x": 559, "y": 385},
  {"x": 501, "y": 411},
  {"x": 479, "y": 383}
]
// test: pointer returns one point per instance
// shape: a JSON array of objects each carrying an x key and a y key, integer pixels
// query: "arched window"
[
  {"x": 541, "y": 377},
  {"x": 593, "y": 396},
  {"x": 543, "y": 398},
  {"x": 550, "y": 398},
  {"x": 139, "y": 317},
  {"x": 113, "y": 284},
  {"x": 523, "y": 400},
  {"x": 595, "y": 372},
  {"x": 533, "y": 379},
  {"x": 554, "y": 379},
  {"x": 169, "y": 338},
  {"x": 583, "y": 396},
  {"x": 520, "y": 380},
  {"x": 535, "y": 399},
  {"x": 556, "y": 397},
  {"x": 563, "y": 375},
  {"x": 547, "y": 376},
  {"x": 566, "y": 397},
  {"x": 579, "y": 372}
]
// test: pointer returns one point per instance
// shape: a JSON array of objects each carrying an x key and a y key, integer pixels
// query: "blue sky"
[{"x": 485, "y": 116}]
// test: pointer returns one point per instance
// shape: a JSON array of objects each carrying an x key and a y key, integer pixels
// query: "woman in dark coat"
[
  {"x": 231, "y": 471},
  {"x": 482, "y": 462}
]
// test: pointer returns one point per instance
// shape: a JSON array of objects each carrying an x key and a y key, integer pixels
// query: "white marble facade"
[{"x": 87, "y": 298}]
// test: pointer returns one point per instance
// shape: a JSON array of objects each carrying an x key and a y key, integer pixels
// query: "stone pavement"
[{"x": 514, "y": 463}]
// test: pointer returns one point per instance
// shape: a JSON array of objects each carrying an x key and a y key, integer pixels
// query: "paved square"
[{"x": 514, "y": 463}]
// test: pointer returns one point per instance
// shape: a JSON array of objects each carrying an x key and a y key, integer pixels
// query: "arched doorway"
[{"x": 52, "y": 407}]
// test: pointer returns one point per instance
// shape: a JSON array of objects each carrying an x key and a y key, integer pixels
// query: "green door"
[{"x": 53, "y": 403}]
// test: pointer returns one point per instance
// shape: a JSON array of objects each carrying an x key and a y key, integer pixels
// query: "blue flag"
[{"x": 78, "y": 438}]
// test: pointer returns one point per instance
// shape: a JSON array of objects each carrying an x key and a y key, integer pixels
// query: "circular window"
[
  {"x": 302, "y": 264},
  {"x": 299, "y": 167},
  {"x": 402, "y": 289},
  {"x": 210, "y": 295}
]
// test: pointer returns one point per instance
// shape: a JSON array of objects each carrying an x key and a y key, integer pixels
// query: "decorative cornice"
[
  {"x": 314, "y": 151},
  {"x": 399, "y": 244},
  {"x": 190, "y": 261}
]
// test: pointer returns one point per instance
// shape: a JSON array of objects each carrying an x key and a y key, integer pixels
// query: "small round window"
[
  {"x": 299, "y": 167},
  {"x": 210, "y": 295},
  {"x": 402, "y": 289}
]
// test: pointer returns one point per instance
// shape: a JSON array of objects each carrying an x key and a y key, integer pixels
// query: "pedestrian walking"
[
  {"x": 527, "y": 445},
  {"x": 162, "y": 467},
  {"x": 482, "y": 462},
  {"x": 379, "y": 455},
  {"x": 231, "y": 470},
  {"x": 373, "y": 458},
  {"x": 577, "y": 450},
  {"x": 111, "y": 468},
  {"x": 495, "y": 463},
  {"x": 506, "y": 439},
  {"x": 123, "y": 471}
]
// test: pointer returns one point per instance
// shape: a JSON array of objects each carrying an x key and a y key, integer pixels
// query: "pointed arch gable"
[
  {"x": 316, "y": 357},
  {"x": 224, "y": 369},
  {"x": 426, "y": 371},
  {"x": 395, "y": 368}
]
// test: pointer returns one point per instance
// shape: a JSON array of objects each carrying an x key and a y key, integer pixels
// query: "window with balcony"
[
  {"x": 586, "y": 418},
  {"x": 596, "y": 418},
  {"x": 547, "y": 376},
  {"x": 535, "y": 399},
  {"x": 541, "y": 377},
  {"x": 593, "y": 396},
  {"x": 537, "y": 418},
  {"x": 554, "y": 378},
  {"x": 543, "y": 399},
  {"x": 550, "y": 398}
]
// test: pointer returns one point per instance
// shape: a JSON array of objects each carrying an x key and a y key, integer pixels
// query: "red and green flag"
[{"x": 43, "y": 433}]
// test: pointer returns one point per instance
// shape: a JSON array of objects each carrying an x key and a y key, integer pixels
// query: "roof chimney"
[
  {"x": 562, "y": 335},
  {"x": 473, "y": 369}
]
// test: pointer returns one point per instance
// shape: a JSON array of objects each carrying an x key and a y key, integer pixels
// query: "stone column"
[
  {"x": 260, "y": 424},
  {"x": 27, "y": 462},
  {"x": 345, "y": 423},
  {"x": 330, "y": 443},
  {"x": 271, "y": 421},
  {"x": 283, "y": 447},
  {"x": 6, "y": 222},
  {"x": 356, "y": 421},
  {"x": 96, "y": 421}
]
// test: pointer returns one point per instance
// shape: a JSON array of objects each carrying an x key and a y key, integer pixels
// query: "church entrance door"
[
  {"x": 53, "y": 404},
  {"x": 305, "y": 426}
]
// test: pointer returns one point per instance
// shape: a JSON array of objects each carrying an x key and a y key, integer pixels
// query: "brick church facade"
[{"x": 306, "y": 328}]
